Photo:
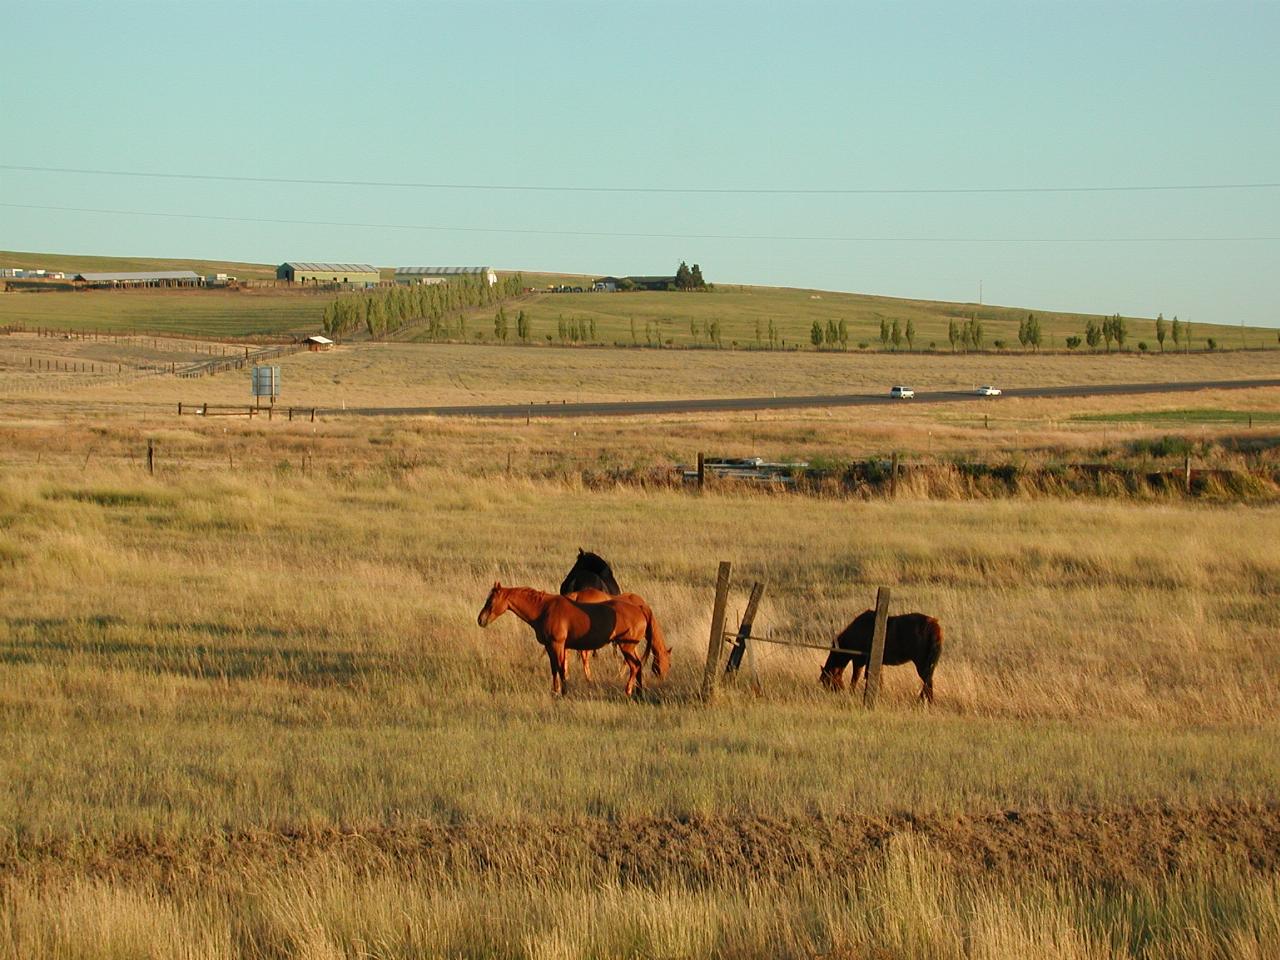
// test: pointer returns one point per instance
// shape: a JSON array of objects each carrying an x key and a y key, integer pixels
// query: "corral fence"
[{"x": 741, "y": 643}]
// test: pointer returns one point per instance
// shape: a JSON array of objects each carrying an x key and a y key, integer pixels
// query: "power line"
[
  {"x": 563, "y": 188},
  {"x": 631, "y": 236}
]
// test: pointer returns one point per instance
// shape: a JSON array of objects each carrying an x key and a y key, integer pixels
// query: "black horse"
[
  {"x": 909, "y": 638},
  {"x": 590, "y": 571}
]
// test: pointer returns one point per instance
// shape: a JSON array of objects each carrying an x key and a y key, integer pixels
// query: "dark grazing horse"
[
  {"x": 911, "y": 637},
  {"x": 590, "y": 572}
]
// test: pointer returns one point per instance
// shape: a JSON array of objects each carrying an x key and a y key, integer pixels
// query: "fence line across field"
[{"x": 740, "y": 639}]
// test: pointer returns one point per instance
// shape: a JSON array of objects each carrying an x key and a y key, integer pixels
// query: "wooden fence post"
[
  {"x": 876, "y": 660},
  {"x": 702, "y": 470},
  {"x": 716, "y": 642},
  {"x": 744, "y": 630},
  {"x": 151, "y": 457},
  {"x": 1187, "y": 475}
]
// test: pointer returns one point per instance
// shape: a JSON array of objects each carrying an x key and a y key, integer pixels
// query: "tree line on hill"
[{"x": 440, "y": 306}]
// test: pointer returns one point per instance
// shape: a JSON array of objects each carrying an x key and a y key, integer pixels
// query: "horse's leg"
[
  {"x": 561, "y": 665},
  {"x": 635, "y": 667},
  {"x": 925, "y": 671},
  {"x": 855, "y": 671},
  {"x": 586, "y": 665}
]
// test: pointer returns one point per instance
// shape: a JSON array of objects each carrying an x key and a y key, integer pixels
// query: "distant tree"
[
  {"x": 684, "y": 276},
  {"x": 1092, "y": 333},
  {"x": 998, "y": 344},
  {"x": 911, "y": 334},
  {"x": 757, "y": 331},
  {"x": 1175, "y": 331},
  {"x": 715, "y": 333},
  {"x": 1119, "y": 330},
  {"x": 695, "y": 278},
  {"x": 1108, "y": 332},
  {"x": 1034, "y": 335},
  {"x": 773, "y": 335},
  {"x": 842, "y": 334},
  {"x": 591, "y": 324},
  {"x": 693, "y": 329},
  {"x": 978, "y": 334},
  {"x": 522, "y": 327},
  {"x": 895, "y": 334},
  {"x": 832, "y": 333},
  {"x": 1186, "y": 334},
  {"x": 1022, "y": 331},
  {"x": 1073, "y": 342},
  {"x": 1161, "y": 330},
  {"x": 1212, "y": 344},
  {"x": 1142, "y": 346},
  {"x": 815, "y": 334},
  {"x": 953, "y": 333},
  {"x": 884, "y": 333},
  {"x": 633, "y": 330}
]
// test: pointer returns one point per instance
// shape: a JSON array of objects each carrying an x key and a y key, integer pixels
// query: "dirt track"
[{"x": 1095, "y": 845}]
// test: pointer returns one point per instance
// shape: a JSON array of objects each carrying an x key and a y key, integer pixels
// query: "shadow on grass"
[{"x": 44, "y": 641}]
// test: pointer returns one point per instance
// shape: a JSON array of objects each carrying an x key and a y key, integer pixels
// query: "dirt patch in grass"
[{"x": 1093, "y": 846}]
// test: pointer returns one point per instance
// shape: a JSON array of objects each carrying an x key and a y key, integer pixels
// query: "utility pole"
[{"x": 979, "y": 292}]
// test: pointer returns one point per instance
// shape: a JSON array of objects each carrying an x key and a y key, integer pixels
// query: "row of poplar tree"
[{"x": 439, "y": 306}]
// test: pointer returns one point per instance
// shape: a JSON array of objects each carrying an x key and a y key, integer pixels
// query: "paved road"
[{"x": 721, "y": 404}]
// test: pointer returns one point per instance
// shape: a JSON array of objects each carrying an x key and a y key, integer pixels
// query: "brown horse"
[
  {"x": 560, "y": 623},
  {"x": 909, "y": 637},
  {"x": 655, "y": 639}
]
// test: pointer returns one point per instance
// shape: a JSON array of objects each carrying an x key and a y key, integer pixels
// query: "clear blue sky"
[{"x": 698, "y": 95}]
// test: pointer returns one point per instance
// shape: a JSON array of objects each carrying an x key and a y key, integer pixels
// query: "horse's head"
[{"x": 495, "y": 605}]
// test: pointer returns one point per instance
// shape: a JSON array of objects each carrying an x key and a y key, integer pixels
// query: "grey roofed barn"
[{"x": 296, "y": 271}]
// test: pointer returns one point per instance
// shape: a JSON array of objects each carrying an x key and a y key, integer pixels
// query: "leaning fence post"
[
  {"x": 877, "y": 648},
  {"x": 702, "y": 470},
  {"x": 744, "y": 630},
  {"x": 716, "y": 642},
  {"x": 151, "y": 457}
]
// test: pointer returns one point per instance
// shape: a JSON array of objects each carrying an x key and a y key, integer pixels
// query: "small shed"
[
  {"x": 145, "y": 278},
  {"x": 412, "y": 275},
  {"x": 317, "y": 343}
]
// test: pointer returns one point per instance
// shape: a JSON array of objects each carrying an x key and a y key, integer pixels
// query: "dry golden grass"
[
  {"x": 405, "y": 374},
  {"x": 238, "y": 648}
]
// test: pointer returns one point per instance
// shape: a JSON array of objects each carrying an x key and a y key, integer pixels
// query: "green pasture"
[
  {"x": 744, "y": 314},
  {"x": 650, "y": 318},
  {"x": 74, "y": 262},
  {"x": 1182, "y": 416},
  {"x": 221, "y": 313}
]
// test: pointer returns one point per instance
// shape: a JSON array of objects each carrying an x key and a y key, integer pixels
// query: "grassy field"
[
  {"x": 213, "y": 313},
  {"x": 247, "y": 710},
  {"x": 70, "y": 262},
  {"x": 396, "y": 374},
  {"x": 745, "y": 312},
  {"x": 628, "y": 319}
]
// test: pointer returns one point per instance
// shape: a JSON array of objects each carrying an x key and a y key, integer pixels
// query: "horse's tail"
[{"x": 657, "y": 643}]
